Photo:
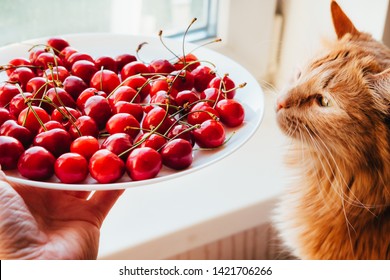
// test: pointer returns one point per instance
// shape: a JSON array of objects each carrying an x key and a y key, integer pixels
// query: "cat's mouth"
[
  {"x": 289, "y": 125},
  {"x": 294, "y": 127}
]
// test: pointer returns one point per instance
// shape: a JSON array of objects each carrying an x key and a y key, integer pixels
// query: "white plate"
[{"x": 96, "y": 45}]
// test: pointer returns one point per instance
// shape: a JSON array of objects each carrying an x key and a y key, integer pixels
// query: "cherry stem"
[
  {"x": 148, "y": 81},
  {"x": 184, "y": 39},
  {"x": 140, "y": 46},
  {"x": 179, "y": 74},
  {"x": 10, "y": 66},
  {"x": 206, "y": 44},
  {"x": 186, "y": 105},
  {"x": 47, "y": 48},
  {"x": 213, "y": 149},
  {"x": 67, "y": 116},
  {"x": 161, "y": 104},
  {"x": 152, "y": 131},
  {"x": 193, "y": 127},
  {"x": 30, "y": 107},
  {"x": 213, "y": 116},
  {"x": 56, "y": 82},
  {"x": 163, "y": 43}
]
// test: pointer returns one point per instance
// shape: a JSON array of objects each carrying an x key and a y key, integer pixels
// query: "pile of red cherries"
[{"x": 67, "y": 114}]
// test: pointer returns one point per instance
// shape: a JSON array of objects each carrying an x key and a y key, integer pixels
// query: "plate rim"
[{"x": 130, "y": 184}]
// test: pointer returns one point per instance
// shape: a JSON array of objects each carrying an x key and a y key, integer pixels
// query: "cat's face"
[{"x": 333, "y": 105}]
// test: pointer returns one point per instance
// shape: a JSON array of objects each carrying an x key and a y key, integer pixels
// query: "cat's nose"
[{"x": 281, "y": 102}]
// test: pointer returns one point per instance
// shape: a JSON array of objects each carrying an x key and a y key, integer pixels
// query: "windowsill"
[{"x": 159, "y": 221}]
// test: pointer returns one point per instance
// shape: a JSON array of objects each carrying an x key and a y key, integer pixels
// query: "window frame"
[{"x": 208, "y": 30}]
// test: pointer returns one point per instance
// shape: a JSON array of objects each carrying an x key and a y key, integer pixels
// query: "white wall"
[
  {"x": 246, "y": 28},
  {"x": 307, "y": 22}
]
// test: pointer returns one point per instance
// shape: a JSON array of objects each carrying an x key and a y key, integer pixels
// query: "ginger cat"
[{"x": 338, "y": 114}]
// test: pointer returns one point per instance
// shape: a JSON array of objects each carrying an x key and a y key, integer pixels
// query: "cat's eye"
[{"x": 323, "y": 101}]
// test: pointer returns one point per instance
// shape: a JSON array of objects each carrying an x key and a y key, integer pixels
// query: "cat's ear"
[{"x": 342, "y": 24}]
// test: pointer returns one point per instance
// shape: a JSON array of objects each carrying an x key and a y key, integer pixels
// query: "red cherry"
[
  {"x": 86, "y": 126},
  {"x": 124, "y": 93},
  {"x": 71, "y": 168},
  {"x": 212, "y": 95},
  {"x": 28, "y": 118},
  {"x": 59, "y": 97},
  {"x": 58, "y": 44},
  {"x": 21, "y": 76},
  {"x": 106, "y": 62},
  {"x": 36, "y": 163},
  {"x": 162, "y": 66},
  {"x": 125, "y": 123},
  {"x": 186, "y": 98},
  {"x": 13, "y": 129},
  {"x": 231, "y": 112},
  {"x": 47, "y": 59},
  {"x": 123, "y": 59},
  {"x": 98, "y": 108},
  {"x": 140, "y": 84},
  {"x": 181, "y": 131},
  {"x": 105, "y": 80},
  {"x": 84, "y": 69},
  {"x": 7, "y": 92},
  {"x": 106, "y": 167},
  {"x": 51, "y": 125},
  {"x": 202, "y": 77},
  {"x": 85, "y": 146},
  {"x": 189, "y": 60},
  {"x": 201, "y": 112},
  {"x": 157, "y": 119},
  {"x": 211, "y": 134},
  {"x": 151, "y": 140},
  {"x": 10, "y": 151},
  {"x": 143, "y": 163},
  {"x": 177, "y": 154},
  {"x": 133, "y": 68},
  {"x": 130, "y": 108},
  {"x": 15, "y": 63},
  {"x": 67, "y": 52},
  {"x": 225, "y": 84},
  {"x": 162, "y": 84},
  {"x": 50, "y": 140},
  {"x": 162, "y": 99},
  {"x": 18, "y": 103},
  {"x": 34, "y": 55},
  {"x": 181, "y": 80},
  {"x": 65, "y": 116},
  {"x": 56, "y": 75},
  {"x": 5, "y": 115},
  {"x": 76, "y": 56},
  {"x": 86, "y": 94},
  {"x": 74, "y": 86},
  {"x": 118, "y": 143},
  {"x": 38, "y": 86}
]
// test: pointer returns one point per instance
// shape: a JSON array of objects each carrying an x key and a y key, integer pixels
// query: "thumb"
[{"x": 103, "y": 201}]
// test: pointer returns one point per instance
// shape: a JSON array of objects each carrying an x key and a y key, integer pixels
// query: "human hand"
[{"x": 40, "y": 223}]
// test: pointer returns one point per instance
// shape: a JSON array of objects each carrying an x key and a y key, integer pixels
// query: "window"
[{"x": 25, "y": 19}]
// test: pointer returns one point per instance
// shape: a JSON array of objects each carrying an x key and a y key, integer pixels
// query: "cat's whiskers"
[
  {"x": 269, "y": 87},
  {"x": 349, "y": 226},
  {"x": 324, "y": 169},
  {"x": 342, "y": 197},
  {"x": 315, "y": 168},
  {"x": 352, "y": 201}
]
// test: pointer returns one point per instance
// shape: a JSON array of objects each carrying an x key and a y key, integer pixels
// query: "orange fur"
[{"x": 337, "y": 113}]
